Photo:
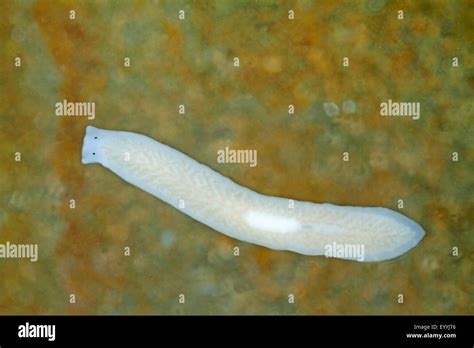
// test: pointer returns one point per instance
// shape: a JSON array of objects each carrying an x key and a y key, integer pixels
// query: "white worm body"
[{"x": 209, "y": 197}]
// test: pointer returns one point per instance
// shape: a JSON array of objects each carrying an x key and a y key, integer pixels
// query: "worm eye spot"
[
  {"x": 93, "y": 153},
  {"x": 95, "y": 137}
]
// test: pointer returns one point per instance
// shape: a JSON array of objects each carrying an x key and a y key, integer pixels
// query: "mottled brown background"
[{"x": 190, "y": 62}]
